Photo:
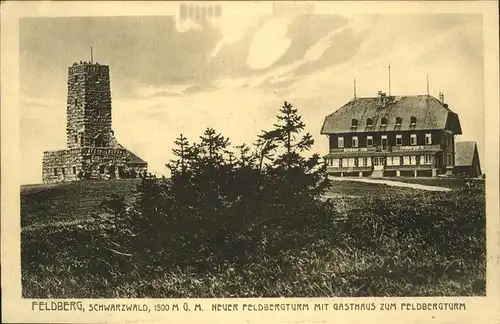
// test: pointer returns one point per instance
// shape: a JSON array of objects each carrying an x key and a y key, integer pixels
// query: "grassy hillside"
[
  {"x": 45, "y": 205},
  {"x": 49, "y": 204},
  {"x": 384, "y": 241},
  {"x": 428, "y": 244}
]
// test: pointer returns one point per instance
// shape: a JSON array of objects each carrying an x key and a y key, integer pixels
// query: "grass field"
[
  {"x": 50, "y": 204},
  {"x": 375, "y": 252}
]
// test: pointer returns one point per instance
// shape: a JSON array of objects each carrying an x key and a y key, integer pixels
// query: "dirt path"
[{"x": 393, "y": 183}]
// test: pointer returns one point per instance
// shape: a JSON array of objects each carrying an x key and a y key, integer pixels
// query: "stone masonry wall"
[
  {"x": 75, "y": 106},
  {"x": 88, "y": 105},
  {"x": 65, "y": 165},
  {"x": 61, "y": 166},
  {"x": 98, "y": 105}
]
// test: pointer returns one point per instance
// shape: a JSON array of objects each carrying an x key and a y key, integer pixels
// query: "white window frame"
[
  {"x": 426, "y": 159},
  {"x": 355, "y": 141},
  {"x": 389, "y": 160},
  {"x": 428, "y": 139},
  {"x": 335, "y": 163},
  {"x": 413, "y": 160},
  {"x": 340, "y": 140},
  {"x": 406, "y": 160},
  {"x": 413, "y": 139},
  {"x": 369, "y": 138},
  {"x": 400, "y": 138},
  {"x": 382, "y": 138}
]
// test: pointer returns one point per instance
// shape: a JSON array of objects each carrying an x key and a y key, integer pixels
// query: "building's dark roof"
[
  {"x": 132, "y": 158},
  {"x": 464, "y": 153},
  {"x": 430, "y": 113}
]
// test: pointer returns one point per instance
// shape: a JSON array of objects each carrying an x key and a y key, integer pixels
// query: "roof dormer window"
[
  {"x": 413, "y": 121},
  {"x": 397, "y": 126},
  {"x": 369, "y": 122},
  {"x": 354, "y": 123},
  {"x": 383, "y": 122}
]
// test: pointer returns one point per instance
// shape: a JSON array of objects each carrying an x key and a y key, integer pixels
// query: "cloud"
[{"x": 269, "y": 43}]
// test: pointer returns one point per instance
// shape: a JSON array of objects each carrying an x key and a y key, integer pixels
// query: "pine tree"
[{"x": 296, "y": 177}]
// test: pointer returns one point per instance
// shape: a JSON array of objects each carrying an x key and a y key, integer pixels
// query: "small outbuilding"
[{"x": 467, "y": 160}]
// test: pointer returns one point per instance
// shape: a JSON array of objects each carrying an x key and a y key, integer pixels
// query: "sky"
[{"x": 233, "y": 73}]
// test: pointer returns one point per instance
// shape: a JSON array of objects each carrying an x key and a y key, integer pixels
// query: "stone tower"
[
  {"x": 88, "y": 106},
  {"x": 92, "y": 150}
]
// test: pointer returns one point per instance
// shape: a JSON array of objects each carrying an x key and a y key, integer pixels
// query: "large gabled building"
[{"x": 392, "y": 136}]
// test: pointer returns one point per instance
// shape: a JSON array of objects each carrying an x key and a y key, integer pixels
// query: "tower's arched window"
[
  {"x": 369, "y": 122},
  {"x": 413, "y": 121},
  {"x": 399, "y": 120},
  {"x": 383, "y": 122}
]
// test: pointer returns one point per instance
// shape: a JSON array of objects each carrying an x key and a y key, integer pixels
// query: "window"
[
  {"x": 354, "y": 141},
  {"x": 413, "y": 160},
  {"x": 82, "y": 140},
  {"x": 98, "y": 112},
  {"x": 389, "y": 161},
  {"x": 399, "y": 139},
  {"x": 351, "y": 162},
  {"x": 76, "y": 138},
  {"x": 383, "y": 122},
  {"x": 354, "y": 123},
  {"x": 74, "y": 170},
  {"x": 369, "y": 122},
  {"x": 426, "y": 159},
  {"x": 449, "y": 158},
  {"x": 396, "y": 160},
  {"x": 55, "y": 171},
  {"x": 76, "y": 101},
  {"x": 365, "y": 162},
  {"x": 340, "y": 163},
  {"x": 76, "y": 78},
  {"x": 356, "y": 162},
  {"x": 341, "y": 142},
  {"x": 406, "y": 160},
  {"x": 335, "y": 163},
  {"x": 413, "y": 121},
  {"x": 428, "y": 139},
  {"x": 102, "y": 168},
  {"x": 384, "y": 142},
  {"x": 413, "y": 139},
  {"x": 397, "y": 126},
  {"x": 369, "y": 141},
  {"x": 63, "y": 171}
]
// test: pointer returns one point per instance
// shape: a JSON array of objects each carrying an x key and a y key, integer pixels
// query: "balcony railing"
[
  {"x": 353, "y": 150},
  {"x": 412, "y": 148}
]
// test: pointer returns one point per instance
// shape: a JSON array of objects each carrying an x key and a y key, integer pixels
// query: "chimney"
[
  {"x": 441, "y": 97},
  {"x": 381, "y": 98}
]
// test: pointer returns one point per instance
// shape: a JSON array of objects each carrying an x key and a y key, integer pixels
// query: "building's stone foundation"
[{"x": 88, "y": 162}]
